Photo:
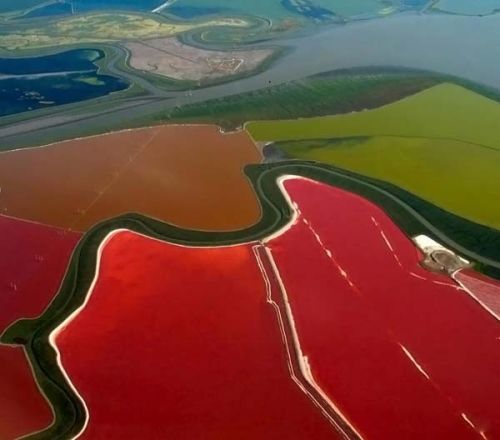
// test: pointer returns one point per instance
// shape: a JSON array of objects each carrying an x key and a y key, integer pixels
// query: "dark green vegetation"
[
  {"x": 441, "y": 144},
  {"x": 413, "y": 215},
  {"x": 329, "y": 93},
  {"x": 460, "y": 177},
  {"x": 145, "y": 103}
]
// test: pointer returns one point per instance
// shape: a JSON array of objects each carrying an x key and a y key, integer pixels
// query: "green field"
[
  {"x": 446, "y": 111},
  {"x": 459, "y": 177},
  {"x": 324, "y": 94}
]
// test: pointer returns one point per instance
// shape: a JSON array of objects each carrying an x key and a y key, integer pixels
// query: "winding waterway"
[{"x": 441, "y": 43}]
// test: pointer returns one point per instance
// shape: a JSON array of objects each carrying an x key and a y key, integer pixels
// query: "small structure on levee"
[{"x": 438, "y": 258}]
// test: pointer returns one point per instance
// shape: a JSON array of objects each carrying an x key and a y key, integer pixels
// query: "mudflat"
[{"x": 171, "y": 58}]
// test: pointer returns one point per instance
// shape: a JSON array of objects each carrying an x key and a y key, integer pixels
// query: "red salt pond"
[
  {"x": 179, "y": 342},
  {"x": 23, "y": 409},
  {"x": 34, "y": 259},
  {"x": 32, "y": 266},
  {"x": 251, "y": 341},
  {"x": 402, "y": 353}
]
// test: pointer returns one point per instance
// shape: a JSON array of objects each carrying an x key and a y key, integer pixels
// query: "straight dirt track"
[
  {"x": 402, "y": 352},
  {"x": 190, "y": 176},
  {"x": 187, "y": 347},
  {"x": 394, "y": 350}
]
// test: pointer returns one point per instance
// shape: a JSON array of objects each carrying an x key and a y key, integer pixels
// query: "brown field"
[
  {"x": 190, "y": 176},
  {"x": 171, "y": 58}
]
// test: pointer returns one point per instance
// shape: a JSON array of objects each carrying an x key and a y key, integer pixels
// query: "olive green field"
[
  {"x": 459, "y": 177},
  {"x": 441, "y": 144},
  {"x": 445, "y": 111}
]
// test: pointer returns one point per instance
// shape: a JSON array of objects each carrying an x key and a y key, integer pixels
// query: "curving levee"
[{"x": 413, "y": 215}]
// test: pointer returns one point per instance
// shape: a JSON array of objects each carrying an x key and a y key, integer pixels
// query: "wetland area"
[
  {"x": 52, "y": 80},
  {"x": 435, "y": 43},
  {"x": 265, "y": 200}
]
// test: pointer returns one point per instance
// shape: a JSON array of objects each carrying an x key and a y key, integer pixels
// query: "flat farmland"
[
  {"x": 35, "y": 261},
  {"x": 191, "y": 176},
  {"x": 160, "y": 376},
  {"x": 460, "y": 177},
  {"x": 323, "y": 94},
  {"x": 445, "y": 111},
  {"x": 400, "y": 351},
  {"x": 23, "y": 409}
]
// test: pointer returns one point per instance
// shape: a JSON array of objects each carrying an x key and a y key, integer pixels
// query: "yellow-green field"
[
  {"x": 442, "y": 144},
  {"x": 101, "y": 28},
  {"x": 445, "y": 111},
  {"x": 459, "y": 177}
]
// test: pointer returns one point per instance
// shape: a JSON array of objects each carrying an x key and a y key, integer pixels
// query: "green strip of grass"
[
  {"x": 329, "y": 93},
  {"x": 462, "y": 178}
]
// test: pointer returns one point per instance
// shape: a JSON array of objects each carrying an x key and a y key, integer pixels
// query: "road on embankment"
[{"x": 438, "y": 43}]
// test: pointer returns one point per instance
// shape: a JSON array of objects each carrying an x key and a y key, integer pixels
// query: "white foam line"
[
  {"x": 485, "y": 306},
  {"x": 387, "y": 242},
  {"x": 302, "y": 359},
  {"x": 414, "y": 362},
  {"x": 55, "y": 333},
  {"x": 448, "y": 285},
  {"x": 469, "y": 421},
  {"x": 413, "y": 274},
  {"x": 466, "y": 418},
  {"x": 329, "y": 254},
  {"x": 441, "y": 283}
]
